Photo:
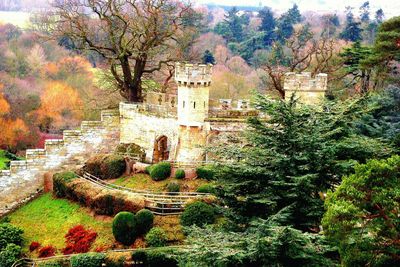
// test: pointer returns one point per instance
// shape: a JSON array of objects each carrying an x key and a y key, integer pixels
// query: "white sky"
[{"x": 390, "y": 7}]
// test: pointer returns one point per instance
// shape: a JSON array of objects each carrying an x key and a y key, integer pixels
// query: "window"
[
  {"x": 204, "y": 104},
  {"x": 183, "y": 103},
  {"x": 194, "y": 105}
]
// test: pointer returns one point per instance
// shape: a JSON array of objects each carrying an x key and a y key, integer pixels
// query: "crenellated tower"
[
  {"x": 307, "y": 89},
  {"x": 193, "y": 93}
]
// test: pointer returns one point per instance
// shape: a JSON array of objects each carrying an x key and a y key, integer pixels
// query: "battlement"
[
  {"x": 304, "y": 82},
  {"x": 193, "y": 74}
]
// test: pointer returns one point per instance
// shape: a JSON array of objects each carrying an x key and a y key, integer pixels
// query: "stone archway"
[{"x": 160, "y": 151}]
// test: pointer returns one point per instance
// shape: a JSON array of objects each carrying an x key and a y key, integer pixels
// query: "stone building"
[{"x": 177, "y": 127}]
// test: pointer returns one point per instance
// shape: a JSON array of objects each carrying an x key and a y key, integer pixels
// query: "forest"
[{"x": 311, "y": 185}]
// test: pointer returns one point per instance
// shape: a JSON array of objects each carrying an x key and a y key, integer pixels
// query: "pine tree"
[
  {"x": 208, "y": 57},
  {"x": 352, "y": 31},
  {"x": 364, "y": 12},
  {"x": 268, "y": 24}
]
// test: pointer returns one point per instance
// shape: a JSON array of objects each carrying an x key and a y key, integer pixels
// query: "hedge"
[
  {"x": 206, "y": 188},
  {"x": 145, "y": 220},
  {"x": 180, "y": 174},
  {"x": 132, "y": 149},
  {"x": 124, "y": 228},
  {"x": 156, "y": 237},
  {"x": 173, "y": 187},
  {"x": 205, "y": 172},
  {"x": 10, "y": 234},
  {"x": 106, "y": 166},
  {"x": 155, "y": 258},
  {"x": 9, "y": 254},
  {"x": 88, "y": 260},
  {"x": 101, "y": 201},
  {"x": 60, "y": 181},
  {"x": 160, "y": 171},
  {"x": 198, "y": 213}
]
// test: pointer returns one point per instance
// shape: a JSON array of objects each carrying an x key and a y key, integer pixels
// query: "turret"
[
  {"x": 308, "y": 90},
  {"x": 193, "y": 93}
]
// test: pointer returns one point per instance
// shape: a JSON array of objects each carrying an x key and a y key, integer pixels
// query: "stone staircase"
[{"x": 25, "y": 177}]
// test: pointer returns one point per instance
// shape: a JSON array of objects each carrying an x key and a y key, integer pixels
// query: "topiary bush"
[
  {"x": 156, "y": 237},
  {"x": 88, "y": 260},
  {"x": 180, "y": 174},
  {"x": 205, "y": 172},
  {"x": 9, "y": 255},
  {"x": 144, "y": 219},
  {"x": 160, "y": 171},
  {"x": 148, "y": 169},
  {"x": 106, "y": 166},
  {"x": 10, "y": 234},
  {"x": 124, "y": 228},
  {"x": 206, "y": 188},
  {"x": 59, "y": 183},
  {"x": 199, "y": 214},
  {"x": 173, "y": 187}
]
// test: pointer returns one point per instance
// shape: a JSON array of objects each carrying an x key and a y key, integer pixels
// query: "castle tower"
[
  {"x": 193, "y": 104},
  {"x": 193, "y": 93},
  {"x": 308, "y": 90}
]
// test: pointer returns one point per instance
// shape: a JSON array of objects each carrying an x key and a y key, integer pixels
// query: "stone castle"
[{"x": 167, "y": 127}]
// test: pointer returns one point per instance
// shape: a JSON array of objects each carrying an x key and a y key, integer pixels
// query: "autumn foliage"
[
  {"x": 34, "y": 246},
  {"x": 47, "y": 251},
  {"x": 79, "y": 240}
]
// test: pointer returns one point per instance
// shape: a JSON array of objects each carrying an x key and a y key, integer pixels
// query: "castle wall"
[
  {"x": 144, "y": 128},
  {"x": 308, "y": 90},
  {"x": 25, "y": 177},
  {"x": 192, "y": 104}
]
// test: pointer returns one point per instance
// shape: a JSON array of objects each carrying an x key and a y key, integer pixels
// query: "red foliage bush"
[
  {"x": 47, "y": 251},
  {"x": 33, "y": 246},
  {"x": 79, "y": 240}
]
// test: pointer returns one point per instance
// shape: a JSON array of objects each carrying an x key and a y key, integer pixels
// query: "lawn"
[
  {"x": 46, "y": 220},
  {"x": 144, "y": 182},
  {"x": 18, "y": 18}
]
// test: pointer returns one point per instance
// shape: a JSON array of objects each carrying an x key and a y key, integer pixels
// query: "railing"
[
  {"x": 188, "y": 164},
  {"x": 159, "y": 203}
]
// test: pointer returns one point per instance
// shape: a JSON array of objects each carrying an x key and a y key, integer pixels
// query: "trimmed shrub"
[
  {"x": 173, "y": 187},
  {"x": 199, "y": 214},
  {"x": 156, "y": 237},
  {"x": 47, "y": 251},
  {"x": 206, "y": 188},
  {"x": 154, "y": 258},
  {"x": 53, "y": 264},
  {"x": 160, "y": 171},
  {"x": 180, "y": 174},
  {"x": 9, "y": 255},
  {"x": 10, "y": 234},
  {"x": 115, "y": 262},
  {"x": 124, "y": 228},
  {"x": 205, "y": 172},
  {"x": 105, "y": 166},
  {"x": 132, "y": 149},
  {"x": 59, "y": 183},
  {"x": 79, "y": 240},
  {"x": 34, "y": 246},
  {"x": 148, "y": 169},
  {"x": 144, "y": 219},
  {"x": 88, "y": 260}
]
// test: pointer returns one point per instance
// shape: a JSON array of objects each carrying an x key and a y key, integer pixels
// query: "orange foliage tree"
[
  {"x": 60, "y": 108},
  {"x": 11, "y": 130}
]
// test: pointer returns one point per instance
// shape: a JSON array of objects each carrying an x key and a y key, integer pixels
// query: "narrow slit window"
[
  {"x": 194, "y": 105},
  {"x": 204, "y": 104},
  {"x": 183, "y": 103}
]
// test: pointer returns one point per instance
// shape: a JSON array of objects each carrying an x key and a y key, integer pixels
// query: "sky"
[{"x": 390, "y": 7}]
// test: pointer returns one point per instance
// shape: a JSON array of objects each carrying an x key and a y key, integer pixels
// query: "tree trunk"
[{"x": 132, "y": 86}]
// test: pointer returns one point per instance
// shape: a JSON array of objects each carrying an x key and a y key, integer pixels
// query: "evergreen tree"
[
  {"x": 330, "y": 25},
  {"x": 268, "y": 24},
  {"x": 379, "y": 15},
  {"x": 208, "y": 57},
  {"x": 294, "y": 14},
  {"x": 284, "y": 28},
  {"x": 352, "y": 30},
  {"x": 364, "y": 12},
  {"x": 234, "y": 23}
]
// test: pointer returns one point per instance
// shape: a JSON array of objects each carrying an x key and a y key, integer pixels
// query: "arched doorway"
[{"x": 160, "y": 151}]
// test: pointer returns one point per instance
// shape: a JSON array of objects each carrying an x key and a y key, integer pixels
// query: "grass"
[
  {"x": 46, "y": 220},
  {"x": 18, "y": 18},
  {"x": 144, "y": 182}
]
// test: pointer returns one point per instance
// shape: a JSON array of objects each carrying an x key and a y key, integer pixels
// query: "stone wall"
[
  {"x": 25, "y": 177},
  {"x": 307, "y": 89},
  {"x": 144, "y": 128}
]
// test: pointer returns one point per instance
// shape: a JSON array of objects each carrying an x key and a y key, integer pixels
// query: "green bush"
[
  {"x": 173, "y": 187},
  {"x": 198, "y": 213},
  {"x": 206, "y": 188},
  {"x": 160, "y": 171},
  {"x": 132, "y": 149},
  {"x": 115, "y": 262},
  {"x": 59, "y": 183},
  {"x": 56, "y": 263},
  {"x": 148, "y": 169},
  {"x": 88, "y": 260},
  {"x": 9, "y": 255},
  {"x": 144, "y": 219},
  {"x": 205, "y": 172},
  {"x": 154, "y": 258},
  {"x": 106, "y": 166},
  {"x": 124, "y": 228},
  {"x": 156, "y": 237},
  {"x": 180, "y": 174},
  {"x": 10, "y": 234}
]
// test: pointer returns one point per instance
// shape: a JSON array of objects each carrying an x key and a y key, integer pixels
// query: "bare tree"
[
  {"x": 133, "y": 35},
  {"x": 301, "y": 52}
]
